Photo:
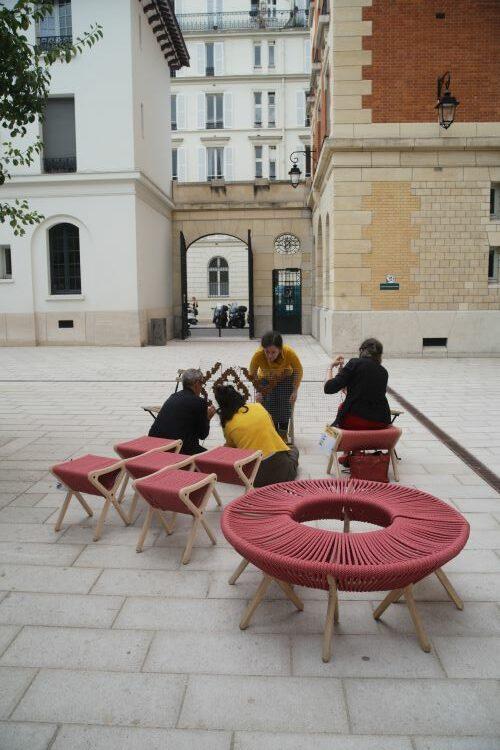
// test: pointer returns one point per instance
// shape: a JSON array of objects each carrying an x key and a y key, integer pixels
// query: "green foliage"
[{"x": 25, "y": 75}]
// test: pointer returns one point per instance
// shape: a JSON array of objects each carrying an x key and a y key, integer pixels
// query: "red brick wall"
[{"x": 411, "y": 48}]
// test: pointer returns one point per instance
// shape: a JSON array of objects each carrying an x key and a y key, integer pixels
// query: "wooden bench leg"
[
  {"x": 239, "y": 570},
  {"x": 290, "y": 593},
  {"x": 102, "y": 518},
  {"x": 133, "y": 506},
  {"x": 421, "y": 634},
  {"x": 161, "y": 518},
  {"x": 347, "y": 522},
  {"x": 391, "y": 597},
  {"x": 330, "y": 618},
  {"x": 121, "y": 494},
  {"x": 394, "y": 462},
  {"x": 63, "y": 510},
  {"x": 86, "y": 507},
  {"x": 145, "y": 529},
  {"x": 446, "y": 583},
  {"x": 258, "y": 597},
  {"x": 217, "y": 498}
]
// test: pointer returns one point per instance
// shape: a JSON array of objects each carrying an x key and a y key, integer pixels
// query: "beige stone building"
[{"x": 405, "y": 213}]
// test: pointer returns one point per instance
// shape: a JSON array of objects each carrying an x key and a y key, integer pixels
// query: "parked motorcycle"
[
  {"x": 237, "y": 316},
  {"x": 220, "y": 316}
]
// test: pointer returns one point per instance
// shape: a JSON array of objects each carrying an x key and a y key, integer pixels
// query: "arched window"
[
  {"x": 218, "y": 277},
  {"x": 64, "y": 254}
]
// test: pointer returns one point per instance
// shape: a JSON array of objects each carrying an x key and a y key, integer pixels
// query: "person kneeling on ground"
[
  {"x": 185, "y": 415},
  {"x": 250, "y": 426}
]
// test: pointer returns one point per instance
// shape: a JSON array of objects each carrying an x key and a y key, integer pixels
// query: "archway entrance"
[{"x": 217, "y": 286}]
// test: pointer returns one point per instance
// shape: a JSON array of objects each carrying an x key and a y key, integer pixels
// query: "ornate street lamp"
[
  {"x": 295, "y": 172},
  {"x": 447, "y": 103}
]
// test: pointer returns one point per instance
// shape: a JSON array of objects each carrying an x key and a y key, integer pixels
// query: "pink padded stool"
[
  {"x": 180, "y": 492},
  {"x": 93, "y": 475},
  {"x": 149, "y": 463},
  {"x": 355, "y": 440},
  {"x": 140, "y": 445}
]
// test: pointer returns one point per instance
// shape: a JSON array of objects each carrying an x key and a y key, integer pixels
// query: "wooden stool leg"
[
  {"x": 189, "y": 545},
  {"x": 63, "y": 510},
  {"x": 394, "y": 462},
  {"x": 102, "y": 518},
  {"x": 421, "y": 634},
  {"x": 330, "y": 463},
  {"x": 330, "y": 616},
  {"x": 208, "y": 529},
  {"x": 290, "y": 593},
  {"x": 121, "y": 494},
  {"x": 133, "y": 506},
  {"x": 120, "y": 511},
  {"x": 161, "y": 518},
  {"x": 145, "y": 529},
  {"x": 86, "y": 507},
  {"x": 258, "y": 597},
  {"x": 391, "y": 597},
  {"x": 217, "y": 498},
  {"x": 446, "y": 583},
  {"x": 239, "y": 570}
]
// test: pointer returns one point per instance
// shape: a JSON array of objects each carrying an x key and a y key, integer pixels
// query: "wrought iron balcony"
[
  {"x": 54, "y": 164},
  {"x": 241, "y": 20},
  {"x": 47, "y": 43}
]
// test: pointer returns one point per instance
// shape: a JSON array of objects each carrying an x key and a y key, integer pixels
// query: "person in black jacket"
[
  {"x": 365, "y": 380},
  {"x": 185, "y": 415}
]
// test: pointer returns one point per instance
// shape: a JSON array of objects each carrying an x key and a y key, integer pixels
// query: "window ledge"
[
  {"x": 63, "y": 297},
  {"x": 6, "y": 281},
  {"x": 493, "y": 284}
]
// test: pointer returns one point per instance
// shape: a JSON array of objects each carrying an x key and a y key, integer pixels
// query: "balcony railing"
[
  {"x": 279, "y": 19},
  {"x": 47, "y": 43},
  {"x": 53, "y": 164}
]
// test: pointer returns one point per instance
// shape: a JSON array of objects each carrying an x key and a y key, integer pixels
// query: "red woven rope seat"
[
  {"x": 162, "y": 490},
  {"x": 143, "y": 444},
  {"x": 360, "y": 440},
  {"x": 74, "y": 474},
  {"x": 149, "y": 463},
  {"x": 232, "y": 465},
  {"x": 418, "y": 534}
]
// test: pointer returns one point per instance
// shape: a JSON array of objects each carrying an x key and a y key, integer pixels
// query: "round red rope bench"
[{"x": 418, "y": 534}]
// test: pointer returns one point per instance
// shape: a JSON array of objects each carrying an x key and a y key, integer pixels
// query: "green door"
[{"x": 287, "y": 300}]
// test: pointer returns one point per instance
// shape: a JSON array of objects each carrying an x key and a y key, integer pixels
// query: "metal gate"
[
  {"x": 287, "y": 300},
  {"x": 184, "y": 296}
]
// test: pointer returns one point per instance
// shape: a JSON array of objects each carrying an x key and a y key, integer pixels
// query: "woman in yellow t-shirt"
[
  {"x": 250, "y": 426},
  {"x": 274, "y": 359}
]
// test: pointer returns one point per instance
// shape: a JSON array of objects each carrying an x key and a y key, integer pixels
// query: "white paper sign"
[{"x": 326, "y": 443}]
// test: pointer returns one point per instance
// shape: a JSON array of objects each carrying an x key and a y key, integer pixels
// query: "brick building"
[{"x": 406, "y": 214}]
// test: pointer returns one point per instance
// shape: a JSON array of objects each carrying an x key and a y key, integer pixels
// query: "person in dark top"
[
  {"x": 364, "y": 379},
  {"x": 185, "y": 415}
]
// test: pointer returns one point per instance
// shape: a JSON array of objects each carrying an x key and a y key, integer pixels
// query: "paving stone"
[
  {"x": 112, "y": 535},
  {"x": 15, "y": 736},
  {"x": 21, "y": 553},
  {"x": 13, "y": 683},
  {"x": 364, "y": 656},
  {"x": 456, "y": 743},
  {"x": 482, "y": 521},
  {"x": 27, "y": 532},
  {"x": 180, "y": 614},
  {"x": 46, "y": 579},
  {"x": 443, "y": 618},
  {"x": 100, "y": 555},
  {"x": 129, "y": 738},
  {"x": 102, "y": 698},
  {"x": 477, "y": 505},
  {"x": 7, "y": 635},
  {"x": 469, "y": 657},
  {"x": 456, "y": 707},
  {"x": 282, "y": 617},
  {"x": 59, "y": 609},
  {"x": 474, "y": 561},
  {"x": 6, "y": 498},
  {"x": 471, "y": 587},
  {"x": 78, "y": 648},
  {"x": 219, "y": 653},
  {"x": 280, "y": 741},
  {"x": 264, "y": 703},
  {"x": 26, "y": 501},
  {"x": 479, "y": 539},
  {"x": 190, "y": 584}
]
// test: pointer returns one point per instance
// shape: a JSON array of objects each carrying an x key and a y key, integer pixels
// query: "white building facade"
[
  {"x": 98, "y": 267},
  {"x": 239, "y": 111}
]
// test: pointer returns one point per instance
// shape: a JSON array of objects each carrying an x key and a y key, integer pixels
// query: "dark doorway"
[{"x": 287, "y": 300}]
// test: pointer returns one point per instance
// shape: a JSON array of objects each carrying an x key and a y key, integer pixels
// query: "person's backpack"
[{"x": 373, "y": 466}]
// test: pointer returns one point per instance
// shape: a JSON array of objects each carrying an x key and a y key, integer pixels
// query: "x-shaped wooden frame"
[
  {"x": 338, "y": 433},
  {"x": 175, "y": 445}
]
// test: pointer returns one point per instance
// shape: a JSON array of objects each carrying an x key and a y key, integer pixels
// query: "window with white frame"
[
  {"x": 307, "y": 165},
  {"x": 218, "y": 277},
  {"x": 271, "y": 109},
  {"x": 495, "y": 201},
  {"x": 257, "y": 109},
  {"x": 302, "y": 117},
  {"x": 173, "y": 111},
  {"x": 215, "y": 163},
  {"x": 494, "y": 265},
  {"x": 270, "y": 6},
  {"x": 174, "y": 164},
  {"x": 307, "y": 56},
  {"x": 273, "y": 158},
  {"x": 257, "y": 55},
  {"x": 271, "y": 56},
  {"x": 64, "y": 259},
  {"x": 56, "y": 27},
  {"x": 209, "y": 59},
  {"x": 5, "y": 263},
  {"x": 214, "y": 111},
  {"x": 259, "y": 161}
]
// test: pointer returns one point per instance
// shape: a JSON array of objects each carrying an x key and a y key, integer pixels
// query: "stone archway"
[{"x": 234, "y": 209}]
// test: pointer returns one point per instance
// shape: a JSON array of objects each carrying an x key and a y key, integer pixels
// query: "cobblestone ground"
[{"x": 102, "y": 648}]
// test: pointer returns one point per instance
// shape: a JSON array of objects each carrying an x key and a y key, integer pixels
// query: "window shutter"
[
  {"x": 228, "y": 166},
  {"x": 201, "y": 122},
  {"x": 307, "y": 56},
  {"x": 200, "y": 59},
  {"x": 181, "y": 112},
  {"x": 219, "y": 58},
  {"x": 181, "y": 164},
  {"x": 228, "y": 110},
  {"x": 301, "y": 108},
  {"x": 202, "y": 164}
]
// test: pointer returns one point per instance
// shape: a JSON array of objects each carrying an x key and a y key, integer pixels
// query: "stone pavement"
[{"x": 102, "y": 648}]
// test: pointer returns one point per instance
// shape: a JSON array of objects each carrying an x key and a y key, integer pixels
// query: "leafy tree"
[{"x": 25, "y": 75}]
